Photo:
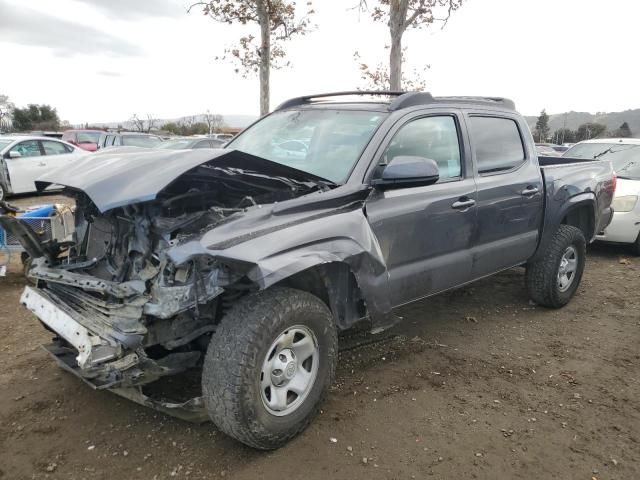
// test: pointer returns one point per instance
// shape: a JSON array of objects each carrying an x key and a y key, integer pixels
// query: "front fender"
[{"x": 271, "y": 257}]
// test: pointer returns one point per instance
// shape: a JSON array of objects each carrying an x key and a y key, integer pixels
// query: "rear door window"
[
  {"x": 54, "y": 148},
  {"x": 497, "y": 144}
]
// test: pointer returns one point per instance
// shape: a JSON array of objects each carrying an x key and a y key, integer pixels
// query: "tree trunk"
[
  {"x": 395, "y": 62},
  {"x": 397, "y": 18},
  {"x": 265, "y": 55}
]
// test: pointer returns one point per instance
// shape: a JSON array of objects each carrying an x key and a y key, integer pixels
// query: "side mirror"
[
  {"x": 408, "y": 171},
  {"x": 14, "y": 154}
]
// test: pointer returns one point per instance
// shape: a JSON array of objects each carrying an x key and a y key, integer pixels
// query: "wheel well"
[
  {"x": 336, "y": 285},
  {"x": 581, "y": 217}
]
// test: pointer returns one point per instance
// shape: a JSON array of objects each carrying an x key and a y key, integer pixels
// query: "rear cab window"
[{"x": 497, "y": 144}]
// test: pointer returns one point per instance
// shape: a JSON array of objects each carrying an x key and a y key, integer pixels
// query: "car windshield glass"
[
  {"x": 88, "y": 137},
  {"x": 625, "y": 158},
  {"x": 177, "y": 144},
  {"x": 4, "y": 142},
  {"x": 326, "y": 143},
  {"x": 140, "y": 141}
]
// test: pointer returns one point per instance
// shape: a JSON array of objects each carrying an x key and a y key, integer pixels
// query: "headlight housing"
[{"x": 624, "y": 204}]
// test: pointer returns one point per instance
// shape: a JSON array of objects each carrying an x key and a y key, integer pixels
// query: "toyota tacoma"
[{"x": 243, "y": 264}]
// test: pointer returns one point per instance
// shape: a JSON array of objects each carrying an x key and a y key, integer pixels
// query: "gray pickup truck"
[{"x": 239, "y": 266}]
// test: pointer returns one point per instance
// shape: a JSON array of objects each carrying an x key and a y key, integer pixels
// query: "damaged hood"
[{"x": 126, "y": 177}]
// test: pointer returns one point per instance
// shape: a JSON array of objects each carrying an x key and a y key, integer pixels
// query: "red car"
[{"x": 85, "y": 139}]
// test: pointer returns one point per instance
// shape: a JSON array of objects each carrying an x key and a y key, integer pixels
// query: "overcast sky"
[{"x": 103, "y": 60}]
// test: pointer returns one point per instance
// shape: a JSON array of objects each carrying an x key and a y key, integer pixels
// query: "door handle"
[
  {"x": 530, "y": 191},
  {"x": 463, "y": 204},
  {"x": 42, "y": 164}
]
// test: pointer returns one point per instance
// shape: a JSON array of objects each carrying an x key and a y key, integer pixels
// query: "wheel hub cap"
[
  {"x": 567, "y": 269},
  {"x": 289, "y": 370}
]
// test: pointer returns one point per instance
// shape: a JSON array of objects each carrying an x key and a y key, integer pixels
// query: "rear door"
[
  {"x": 57, "y": 154},
  {"x": 426, "y": 233},
  {"x": 25, "y": 169},
  {"x": 510, "y": 191}
]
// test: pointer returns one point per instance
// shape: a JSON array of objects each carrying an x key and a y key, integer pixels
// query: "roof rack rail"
[
  {"x": 411, "y": 99},
  {"x": 294, "y": 102},
  {"x": 400, "y": 99},
  {"x": 500, "y": 101}
]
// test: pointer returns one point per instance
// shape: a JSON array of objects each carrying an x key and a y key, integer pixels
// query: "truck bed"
[{"x": 571, "y": 181}]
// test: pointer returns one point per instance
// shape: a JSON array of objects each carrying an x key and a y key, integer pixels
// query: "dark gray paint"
[{"x": 400, "y": 244}]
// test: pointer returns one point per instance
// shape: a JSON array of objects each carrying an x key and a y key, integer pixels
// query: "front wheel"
[
  {"x": 554, "y": 278},
  {"x": 269, "y": 365}
]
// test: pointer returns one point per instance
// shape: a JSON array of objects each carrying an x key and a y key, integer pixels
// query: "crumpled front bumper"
[
  {"x": 102, "y": 357},
  {"x": 92, "y": 349}
]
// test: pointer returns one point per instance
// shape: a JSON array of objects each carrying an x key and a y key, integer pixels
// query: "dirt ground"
[{"x": 477, "y": 383}]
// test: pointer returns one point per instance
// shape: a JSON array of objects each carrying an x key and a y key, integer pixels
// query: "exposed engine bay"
[{"x": 123, "y": 312}]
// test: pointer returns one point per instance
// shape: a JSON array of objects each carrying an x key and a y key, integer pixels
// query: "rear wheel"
[
  {"x": 554, "y": 278},
  {"x": 268, "y": 366}
]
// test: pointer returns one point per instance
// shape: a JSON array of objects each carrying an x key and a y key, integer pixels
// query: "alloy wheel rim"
[
  {"x": 289, "y": 370},
  {"x": 568, "y": 268}
]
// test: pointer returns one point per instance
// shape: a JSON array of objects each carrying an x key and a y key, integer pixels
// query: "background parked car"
[
  {"x": 128, "y": 139},
  {"x": 23, "y": 159},
  {"x": 189, "y": 142},
  {"x": 84, "y": 139},
  {"x": 225, "y": 137},
  {"x": 624, "y": 154},
  {"x": 546, "y": 150}
]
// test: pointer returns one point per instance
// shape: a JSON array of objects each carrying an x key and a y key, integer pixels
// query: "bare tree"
[
  {"x": 152, "y": 122},
  {"x": 141, "y": 125},
  {"x": 277, "y": 22},
  {"x": 6, "y": 111},
  {"x": 137, "y": 123},
  {"x": 214, "y": 122},
  {"x": 401, "y": 15},
  {"x": 377, "y": 77}
]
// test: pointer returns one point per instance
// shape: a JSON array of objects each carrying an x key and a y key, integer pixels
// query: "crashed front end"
[{"x": 123, "y": 312}]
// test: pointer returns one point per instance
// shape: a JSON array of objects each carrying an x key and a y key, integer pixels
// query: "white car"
[
  {"x": 25, "y": 158},
  {"x": 624, "y": 154}
]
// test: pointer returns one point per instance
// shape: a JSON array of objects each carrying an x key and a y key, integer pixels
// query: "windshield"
[
  {"x": 140, "y": 141},
  {"x": 4, "y": 142},
  {"x": 326, "y": 143},
  {"x": 625, "y": 158},
  {"x": 177, "y": 144},
  {"x": 88, "y": 137}
]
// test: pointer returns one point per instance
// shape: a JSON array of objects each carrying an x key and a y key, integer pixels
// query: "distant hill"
[{"x": 575, "y": 119}]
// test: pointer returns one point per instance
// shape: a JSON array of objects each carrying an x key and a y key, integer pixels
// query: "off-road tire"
[
  {"x": 232, "y": 366},
  {"x": 542, "y": 275}
]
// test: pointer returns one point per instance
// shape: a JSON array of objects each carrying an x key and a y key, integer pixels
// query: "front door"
[
  {"x": 425, "y": 233},
  {"x": 23, "y": 170}
]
